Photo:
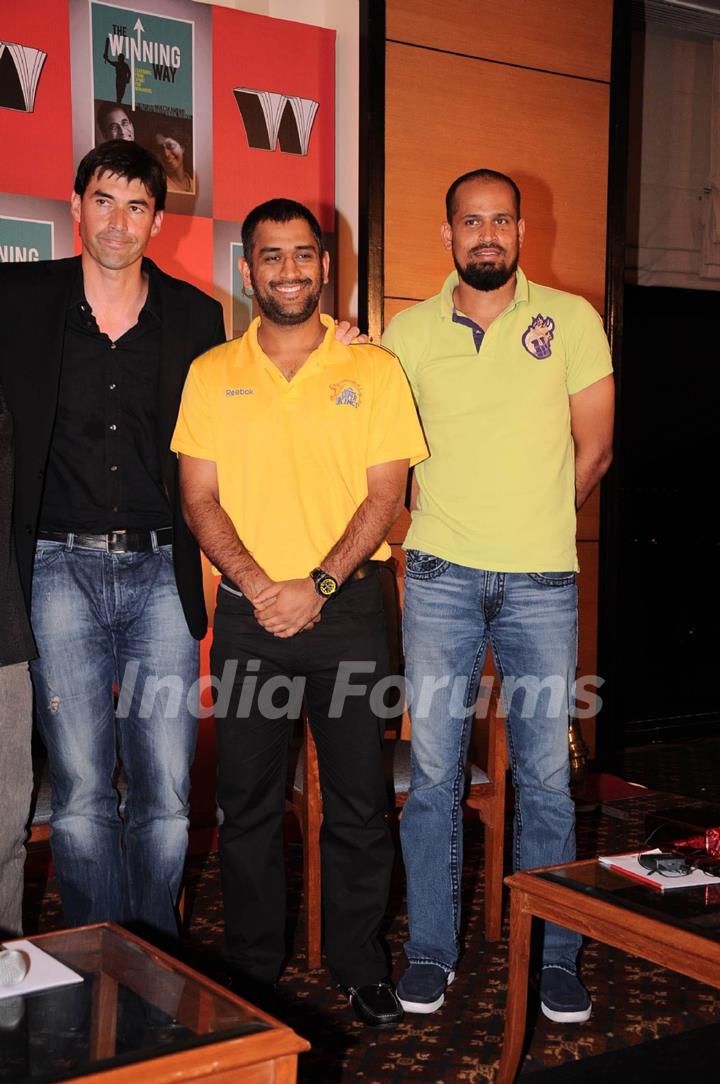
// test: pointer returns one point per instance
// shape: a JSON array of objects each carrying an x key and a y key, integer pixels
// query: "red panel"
[
  {"x": 184, "y": 248},
  {"x": 42, "y": 24},
  {"x": 285, "y": 58}
]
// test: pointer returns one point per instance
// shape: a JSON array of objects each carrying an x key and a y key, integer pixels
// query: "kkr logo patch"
[
  {"x": 346, "y": 393},
  {"x": 538, "y": 336}
]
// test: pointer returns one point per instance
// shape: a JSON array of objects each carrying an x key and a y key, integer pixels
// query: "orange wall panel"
[
  {"x": 572, "y": 36},
  {"x": 394, "y": 305},
  {"x": 549, "y": 132}
]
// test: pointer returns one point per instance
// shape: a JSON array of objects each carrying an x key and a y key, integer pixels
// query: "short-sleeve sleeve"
[
  {"x": 588, "y": 352},
  {"x": 194, "y": 427},
  {"x": 395, "y": 430}
]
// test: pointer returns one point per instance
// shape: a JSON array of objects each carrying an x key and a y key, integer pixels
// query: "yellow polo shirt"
[
  {"x": 498, "y": 491},
  {"x": 292, "y": 455}
]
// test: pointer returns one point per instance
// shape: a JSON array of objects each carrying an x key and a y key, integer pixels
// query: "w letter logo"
[{"x": 276, "y": 118}]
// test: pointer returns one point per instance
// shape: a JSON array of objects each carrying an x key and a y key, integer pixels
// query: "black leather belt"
[
  {"x": 361, "y": 573},
  {"x": 113, "y": 541}
]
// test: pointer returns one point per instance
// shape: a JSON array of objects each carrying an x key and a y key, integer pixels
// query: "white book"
[{"x": 628, "y": 865}]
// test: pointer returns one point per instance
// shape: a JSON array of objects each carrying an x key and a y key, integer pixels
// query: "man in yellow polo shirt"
[
  {"x": 294, "y": 452},
  {"x": 514, "y": 388}
]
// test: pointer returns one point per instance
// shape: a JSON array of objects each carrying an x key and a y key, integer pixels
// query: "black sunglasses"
[
  {"x": 677, "y": 864},
  {"x": 666, "y": 863}
]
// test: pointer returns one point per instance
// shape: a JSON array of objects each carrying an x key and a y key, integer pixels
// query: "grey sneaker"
[
  {"x": 563, "y": 998},
  {"x": 422, "y": 987}
]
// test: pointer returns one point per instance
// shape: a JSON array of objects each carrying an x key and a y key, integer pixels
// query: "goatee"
[{"x": 485, "y": 277}]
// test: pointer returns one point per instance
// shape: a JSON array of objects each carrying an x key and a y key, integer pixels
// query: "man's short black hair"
[
  {"x": 278, "y": 210},
  {"x": 479, "y": 175},
  {"x": 124, "y": 158}
]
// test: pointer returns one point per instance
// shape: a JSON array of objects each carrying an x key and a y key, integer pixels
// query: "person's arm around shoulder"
[{"x": 591, "y": 423}]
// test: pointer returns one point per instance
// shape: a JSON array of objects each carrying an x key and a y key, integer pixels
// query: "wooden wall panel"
[
  {"x": 394, "y": 305},
  {"x": 571, "y": 36},
  {"x": 547, "y": 131}
]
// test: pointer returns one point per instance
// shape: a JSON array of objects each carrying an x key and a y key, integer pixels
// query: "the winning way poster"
[{"x": 139, "y": 76}]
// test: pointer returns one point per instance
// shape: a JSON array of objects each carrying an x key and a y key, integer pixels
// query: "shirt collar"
[
  {"x": 152, "y": 301},
  {"x": 320, "y": 351},
  {"x": 447, "y": 305}
]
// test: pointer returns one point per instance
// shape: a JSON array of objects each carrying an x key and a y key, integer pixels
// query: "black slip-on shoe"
[
  {"x": 422, "y": 987},
  {"x": 376, "y": 1004},
  {"x": 563, "y": 998}
]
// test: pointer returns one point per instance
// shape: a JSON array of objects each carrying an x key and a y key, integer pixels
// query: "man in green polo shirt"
[{"x": 513, "y": 382}]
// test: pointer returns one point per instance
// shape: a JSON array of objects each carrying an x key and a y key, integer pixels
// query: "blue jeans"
[
  {"x": 101, "y": 621},
  {"x": 451, "y": 615}
]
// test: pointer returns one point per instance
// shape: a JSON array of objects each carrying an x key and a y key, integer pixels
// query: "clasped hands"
[{"x": 288, "y": 607}]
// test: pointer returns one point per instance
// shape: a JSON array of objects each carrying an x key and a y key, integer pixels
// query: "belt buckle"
[{"x": 117, "y": 541}]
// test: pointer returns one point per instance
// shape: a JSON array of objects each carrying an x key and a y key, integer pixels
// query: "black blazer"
[
  {"x": 16, "y": 642},
  {"x": 33, "y": 301}
]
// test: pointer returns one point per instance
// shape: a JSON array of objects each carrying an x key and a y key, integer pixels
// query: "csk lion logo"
[{"x": 346, "y": 393}]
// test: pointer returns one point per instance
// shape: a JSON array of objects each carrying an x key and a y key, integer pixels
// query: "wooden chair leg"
[
  {"x": 494, "y": 853},
  {"x": 312, "y": 819},
  {"x": 493, "y": 880}
]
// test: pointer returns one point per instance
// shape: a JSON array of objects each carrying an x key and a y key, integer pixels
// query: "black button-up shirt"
[{"x": 103, "y": 472}]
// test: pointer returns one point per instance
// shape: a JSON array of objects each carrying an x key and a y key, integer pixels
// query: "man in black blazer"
[{"x": 93, "y": 356}]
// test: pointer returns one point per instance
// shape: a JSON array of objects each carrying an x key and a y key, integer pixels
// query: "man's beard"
[
  {"x": 486, "y": 277},
  {"x": 273, "y": 309}
]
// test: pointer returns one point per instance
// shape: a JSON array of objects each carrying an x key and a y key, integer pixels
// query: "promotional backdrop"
[{"x": 237, "y": 107}]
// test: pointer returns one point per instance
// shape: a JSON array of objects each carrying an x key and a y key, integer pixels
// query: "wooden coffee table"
[
  {"x": 678, "y": 929},
  {"x": 141, "y": 1016}
]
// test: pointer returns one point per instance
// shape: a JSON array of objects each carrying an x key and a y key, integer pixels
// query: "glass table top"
[
  {"x": 134, "y": 1004},
  {"x": 694, "y": 909}
]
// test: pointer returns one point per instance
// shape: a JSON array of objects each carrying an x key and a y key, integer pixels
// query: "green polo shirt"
[{"x": 498, "y": 491}]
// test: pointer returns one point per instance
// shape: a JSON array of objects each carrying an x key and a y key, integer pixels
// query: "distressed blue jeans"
[
  {"x": 105, "y": 621},
  {"x": 451, "y": 615}
]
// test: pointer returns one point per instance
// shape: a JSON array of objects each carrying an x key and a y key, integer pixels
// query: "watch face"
[{"x": 327, "y": 586}]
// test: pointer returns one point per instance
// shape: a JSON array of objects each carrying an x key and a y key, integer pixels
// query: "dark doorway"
[{"x": 668, "y": 554}]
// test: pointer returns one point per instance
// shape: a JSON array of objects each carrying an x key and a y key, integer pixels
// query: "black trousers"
[{"x": 254, "y": 726}]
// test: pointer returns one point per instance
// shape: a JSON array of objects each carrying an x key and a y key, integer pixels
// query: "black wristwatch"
[{"x": 325, "y": 584}]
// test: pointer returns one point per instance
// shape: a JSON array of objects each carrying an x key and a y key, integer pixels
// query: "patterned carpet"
[{"x": 634, "y": 1001}]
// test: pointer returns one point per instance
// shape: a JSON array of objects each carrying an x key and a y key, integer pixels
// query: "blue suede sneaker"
[
  {"x": 563, "y": 998},
  {"x": 422, "y": 987}
]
